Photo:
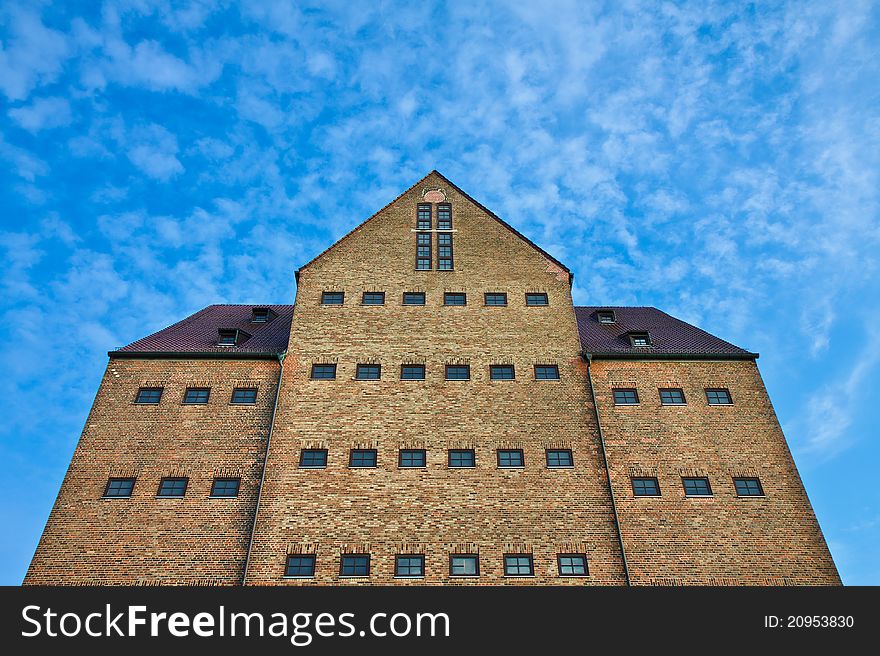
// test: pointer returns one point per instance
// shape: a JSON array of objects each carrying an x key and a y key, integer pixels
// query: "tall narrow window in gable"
[
  {"x": 423, "y": 217},
  {"x": 423, "y": 251},
  {"x": 444, "y": 216},
  {"x": 444, "y": 251}
]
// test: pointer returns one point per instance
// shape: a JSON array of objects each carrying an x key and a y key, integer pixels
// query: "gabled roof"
[
  {"x": 670, "y": 337},
  {"x": 196, "y": 336},
  {"x": 463, "y": 193}
]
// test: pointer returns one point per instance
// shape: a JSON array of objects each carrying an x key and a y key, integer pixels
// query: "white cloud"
[
  {"x": 42, "y": 114},
  {"x": 153, "y": 149},
  {"x": 31, "y": 54}
]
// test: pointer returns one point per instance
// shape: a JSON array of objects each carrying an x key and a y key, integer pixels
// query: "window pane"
[
  {"x": 501, "y": 372},
  {"x": 454, "y": 299},
  {"x": 412, "y": 458},
  {"x": 458, "y": 372},
  {"x": 464, "y": 566},
  {"x": 546, "y": 372},
  {"x": 572, "y": 565},
  {"x": 696, "y": 487},
  {"x": 559, "y": 458},
  {"x": 510, "y": 458},
  {"x": 423, "y": 217},
  {"x": 374, "y": 298},
  {"x": 362, "y": 458},
  {"x": 355, "y": 565},
  {"x": 300, "y": 566},
  {"x": 412, "y": 372},
  {"x": 626, "y": 397},
  {"x": 536, "y": 299},
  {"x": 409, "y": 566},
  {"x": 462, "y": 458},
  {"x": 369, "y": 372},
  {"x": 718, "y": 397},
  {"x": 606, "y": 317},
  {"x": 444, "y": 217},
  {"x": 640, "y": 339},
  {"x": 672, "y": 397},
  {"x": 748, "y": 487},
  {"x": 149, "y": 395},
  {"x": 225, "y": 487},
  {"x": 313, "y": 458},
  {"x": 244, "y": 395},
  {"x": 196, "y": 395},
  {"x": 323, "y": 371},
  {"x": 119, "y": 487},
  {"x": 172, "y": 487},
  {"x": 414, "y": 298},
  {"x": 518, "y": 566},
  {"x": 496, "y": 299},
  {"x": 646, "y": 487},
  {"x": 332, "y": 298}
]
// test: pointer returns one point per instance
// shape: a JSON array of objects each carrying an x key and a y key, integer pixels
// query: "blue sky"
[{"x": 717, "y": 160}]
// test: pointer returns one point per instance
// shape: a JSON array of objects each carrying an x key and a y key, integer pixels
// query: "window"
[
  {"x": 369, "y": 372},
  {"x": 462, "y": 458},
  {"x": 313, "y": 458},
  {"x": 625, "y": 396},
  {"x": 414, "y": 298},
  {"x": 510, "y": 458},
  {"x": 501, "y": 372},
  {"x": 646, "y": 487},
  {"x": 119, "y": 488},
  {"x": 355, "y": 565},
  {"x": 332, "y": 298},
  {"x": 423, "y": 216},
  {"x": 261, "y": 315},
  {"x": 444, "y": 216},
  {"x": 244, "y": 396},
  {"x": 718, "y": 396},
  {"x": 748, "y": 487},
  {"x": 605, "y": 316},
  {"x": 444, "y": 251},
  {"x": 454, "y": 299},
  {"x": 172, "y": 487},
  {"x": 464, "y": 565},
  {"x": 518, "y": 565},
  {"x": 546, "y": 372},
  {"x": 362, "y": 458},
  {"x": 412, "y": 372},
  {"x": 323, "y": 372},
  {"x": 559, "y": 458},
  {"x": 696, "y": 487},
  {"x": 412, "y": 458},
  {"x": 423, "y": 251},
  {"x": 672, "y": 396},
  {"x": 225, "y": 487},
  {"x": 227, "y": 337},
  {"x": 640, "y": 339},
  {"x": 149, "y": 395},
  {"x": 300, "y": 566},
  {"x": 374, "y": 298},
  {"x": 458, "y": 372},
  {"x": 535, "y": 299},
  {"x": 572, "y": 565},
  {"x": 196, "y": 395},
  {"x": 496, "y": 299},
  {"x": 409, "y": 566}
]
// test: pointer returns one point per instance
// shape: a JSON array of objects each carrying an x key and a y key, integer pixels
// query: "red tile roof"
[
  {"x": 198, "y": 333},
  {"x": 669, "y": 336}
]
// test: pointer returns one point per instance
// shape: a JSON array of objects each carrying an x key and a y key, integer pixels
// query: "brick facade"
[{"x": 435, "y": 511}]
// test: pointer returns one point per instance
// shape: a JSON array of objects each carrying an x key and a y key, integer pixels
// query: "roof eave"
[
  {"x": 669, "y": 356},
  {"x": 194, "y": 355}
]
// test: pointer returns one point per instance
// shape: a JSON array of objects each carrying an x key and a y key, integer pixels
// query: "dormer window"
[
  {"x": 231, "y": 337},
  {"x": 262, "y": 315},
  {"x": 605, "y": 316},
  {"x": 640, "y": 339}
]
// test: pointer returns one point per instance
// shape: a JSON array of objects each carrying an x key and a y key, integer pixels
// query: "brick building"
[{"x": 433, "y": 409}]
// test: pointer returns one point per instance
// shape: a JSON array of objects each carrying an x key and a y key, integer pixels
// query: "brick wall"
[
  {"x": 722, "y": 539},
  {"x": 437, "y": 510},
  {"x": 145, "y": 539}
]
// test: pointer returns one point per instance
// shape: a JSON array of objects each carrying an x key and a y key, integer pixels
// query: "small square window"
[
  {"x": 464, "y": 565},
  {"x": 262, "y": 315},
  {"x": 546, "y": 372},
  {"x": 244, "y": 396},
  {"x": 646, "y": 487},
  {"x": 696, "y": 487},
  {"x": 119, "y": 488},
  {"x": 559, "y": 458},
  {"x": 412, "y": 458},
  {"x": 719, "y": 396},
  {"x": 454, "y": 299},
  {"x": 572, "y": 565},
  {"x": 748, "y": 487},
  {"x": 462, "y": 458},
  {"x": 149, "y": 395},
  {"x": 458, "y": 372},
  {"x": 369, "y": 372},
  {"x": 362, "y": 458},
  {"x": 172, "y": 487},
  {"x": 626, "y": 396},
  {"x": 300, "y": 566},
  {"x": 374, "y": 298},
  {"x": 332, "y": 298},
  {"x": 605, "y": 316},
  {"x": 511, "y": 458},
  {"x": 412, "y": 372},
  {"x": 409, "y": 566},
  {"x": 355, "y": 565},
  {"x": 672, "y": 396},
  {"x": 196, "y": 395},
  {"x": 423, "y": 217},
  {"x": 313, "y": 458},
  {"x": 444, "y": 216},
  {"x": 225, "y": 487},
  {"x": 496, "y": 299},
  {"x": 640, "y": 339},
  {"x": 323, "y": 372},
  {"x": 518, "y": 565},
  {"x": 227, "y": 337},
  {"x": 414, "y": 298},
  {"x": 501, "y": 372},
  {"x": 535, "y": 299}
]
